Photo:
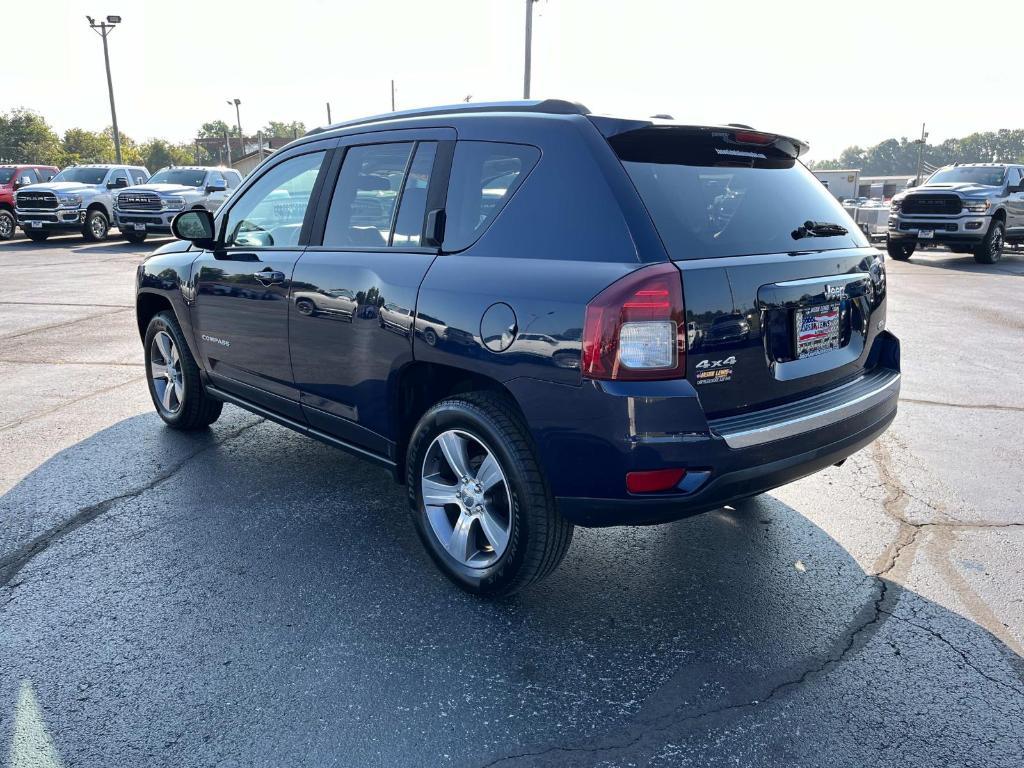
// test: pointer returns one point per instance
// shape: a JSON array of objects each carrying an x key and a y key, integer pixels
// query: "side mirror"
[
  {"x": 24, "y": 181},
  {"x": 217, "y": 186},
  {"x": 117, "y": 184},
  {"x": 196, "y": 226},
  {"x": 911, "y": 183},
  {"x": 1015, "y": 188}
]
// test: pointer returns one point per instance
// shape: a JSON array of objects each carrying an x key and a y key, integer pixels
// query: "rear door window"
[
  {"x": 709, "y": 196},
  {"x": 484, "y": 176},
  {"x": 365, "y": 199}
]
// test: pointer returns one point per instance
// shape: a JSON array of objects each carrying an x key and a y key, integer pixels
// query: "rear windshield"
[{"x": 709, "y": 197}]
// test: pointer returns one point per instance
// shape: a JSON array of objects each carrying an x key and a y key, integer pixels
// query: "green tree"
[
  {"x": 215, "y": 129},
  {"x": 157, "y": 154},
  {"x": 26, "y": 137},
  {"x": 279, "y": 130},
  {"x": 899, "y": 156},
  {"x": 82, "y": 146}
]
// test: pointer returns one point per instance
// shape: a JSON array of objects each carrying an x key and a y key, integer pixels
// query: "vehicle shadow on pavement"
[{"x": 249, "y": 596}]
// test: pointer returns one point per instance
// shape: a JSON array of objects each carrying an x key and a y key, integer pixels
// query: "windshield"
[
  {"x": 987, "y": 177},
  {"x": 708, "y": 198},
  {"x": 6, "y": 174},
  {"x": 183, "y": 176},
  {"x": 82, "y": 175}
]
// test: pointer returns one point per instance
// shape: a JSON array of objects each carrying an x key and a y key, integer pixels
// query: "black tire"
[
  {"x": 97, "y": 226},
  {"x": 305, "y": 307},
  {"x": 900, "y": 251},
  {"x": 134, "y": 237},
  {"x": 196, "y": 409},
  {"x": 37, "y": 237},
  {"x": 990, "y": 250},
  {"x": 8, "y": 224},
  {"x": 538, "y": 535}
]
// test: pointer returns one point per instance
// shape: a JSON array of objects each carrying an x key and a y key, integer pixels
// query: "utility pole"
[
  {"x": 329, "y": 113},
  {"x": 529, "y": 48},
  {"x": 920, "y": 154},
  {"x": 238, "y": 118},
  {"x": 227, "y": 145},
  {"x": 103, "y": 29},
  {"x": 392, "y": 95}
]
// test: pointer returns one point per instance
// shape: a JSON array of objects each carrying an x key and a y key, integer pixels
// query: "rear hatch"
[{"x": 775, "y": 310}]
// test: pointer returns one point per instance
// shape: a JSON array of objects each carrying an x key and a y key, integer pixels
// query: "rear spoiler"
[{"x": 732, "y": 134}]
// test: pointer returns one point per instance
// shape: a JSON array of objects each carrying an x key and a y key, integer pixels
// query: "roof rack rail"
[{"x": 545, "y": 106}]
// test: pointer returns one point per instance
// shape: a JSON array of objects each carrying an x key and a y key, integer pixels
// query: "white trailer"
[{"x": 841, "y": 183}]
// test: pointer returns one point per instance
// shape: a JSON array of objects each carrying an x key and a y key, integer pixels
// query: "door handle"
[{"x": 269, "y": 276}]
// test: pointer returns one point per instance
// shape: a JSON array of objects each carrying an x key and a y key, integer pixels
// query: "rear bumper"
[
  {"x": 589, "y": 437},
  {"x": 736, "y": 484}
]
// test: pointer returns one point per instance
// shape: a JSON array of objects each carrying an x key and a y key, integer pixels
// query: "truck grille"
[
  {"x": 35, "y": 200},
  {"x": 944, "y": 205},
  {"x": 938, "y": 226},
  {"x": 138, "y": 201}
]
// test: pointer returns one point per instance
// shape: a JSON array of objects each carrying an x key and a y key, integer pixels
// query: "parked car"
[
  {"x": 972, "y": 208},
  {"x": 568, "y": 254},
  {"x": 79, "y": 198},
  {"x": 13, "y": 178},
  {"x": 148, "y": 208}
]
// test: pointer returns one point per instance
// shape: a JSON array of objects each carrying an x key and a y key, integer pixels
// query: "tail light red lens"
[
  {"x": 635, "y": 329},
  {"x": 654, "y": 480}
]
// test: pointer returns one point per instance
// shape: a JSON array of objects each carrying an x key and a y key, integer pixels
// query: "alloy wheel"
[
  {"x": 165, "y": 372},
  {"x": 466, "y": 497},
  {"x": 6, "y": 226},
  {"x": 99, "y": 227}
]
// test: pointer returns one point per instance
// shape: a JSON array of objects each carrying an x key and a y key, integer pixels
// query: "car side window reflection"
[{"x": 271, "y": 212}]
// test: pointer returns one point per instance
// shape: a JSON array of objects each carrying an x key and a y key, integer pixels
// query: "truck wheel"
[
  {"x": 134, "y": 237},
  {"x": 37, "y": 237},
  {"x": 96, "y": 226},
  {"x": 7, "y": 225},
  {"x": 990, "y": 249},
  {"x": 900, "y": 251},
  {"x": 173, "y": 377},
  {"x": 479, "y": 500}
]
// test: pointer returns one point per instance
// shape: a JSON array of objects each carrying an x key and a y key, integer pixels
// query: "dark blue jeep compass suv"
[{"x": 533, "y": 316}]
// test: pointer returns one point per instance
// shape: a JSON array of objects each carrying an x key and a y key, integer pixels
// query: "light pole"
[
  {"x": 238, "y": 119},
  {"x": 103, "y": 29},
  {"x": 529, "y": 48},
  {"x": 920, "y": 152}
]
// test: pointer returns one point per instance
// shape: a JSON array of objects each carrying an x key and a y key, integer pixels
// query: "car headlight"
[
  {"x": 977, "y": 206},
  {"x": 173, "y": 203},
  {"x": 69, "y": 201},
  {"x": 895, "y": 205}
]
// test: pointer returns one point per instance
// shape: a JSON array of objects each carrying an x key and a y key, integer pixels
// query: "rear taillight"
[{"x": 635, "y": 328}]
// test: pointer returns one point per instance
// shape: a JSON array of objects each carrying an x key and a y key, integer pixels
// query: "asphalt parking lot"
[{"x": 248, "y": 597}]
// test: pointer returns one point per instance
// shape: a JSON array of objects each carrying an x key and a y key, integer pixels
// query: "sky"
[{"x": 831, "y": 72}]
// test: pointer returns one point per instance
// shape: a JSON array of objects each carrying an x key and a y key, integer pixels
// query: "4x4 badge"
[{"x": 704, "y": 364}]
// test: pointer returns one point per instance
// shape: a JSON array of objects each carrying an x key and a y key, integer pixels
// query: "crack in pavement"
[
  {"x": 13, "y": 562},
  {"x": 42, "y": 328},
  {"x": 969, "y": 406},
  {"x": 64, "y": 404}
]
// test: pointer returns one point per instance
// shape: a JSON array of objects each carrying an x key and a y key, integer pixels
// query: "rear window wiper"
[{"x": 819, "y": 229}]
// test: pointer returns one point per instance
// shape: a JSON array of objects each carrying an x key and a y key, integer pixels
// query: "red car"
[{"x": 12, "y": 178}]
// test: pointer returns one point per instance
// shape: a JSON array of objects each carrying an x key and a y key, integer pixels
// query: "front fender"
[{"x": 166, "y": 274}]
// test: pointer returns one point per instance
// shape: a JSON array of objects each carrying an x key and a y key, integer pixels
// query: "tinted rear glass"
[
  {"x": 6, "y": 174},
  {"x": 709, "y": 197}
]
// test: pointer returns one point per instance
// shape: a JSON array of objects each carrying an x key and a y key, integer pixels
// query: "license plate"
[
  {"x": 139, "y": 227},
  {"x": 925, "y": 234},
  {"x": 817, "y": 329},
  {"x": 35, "y": 224}
]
